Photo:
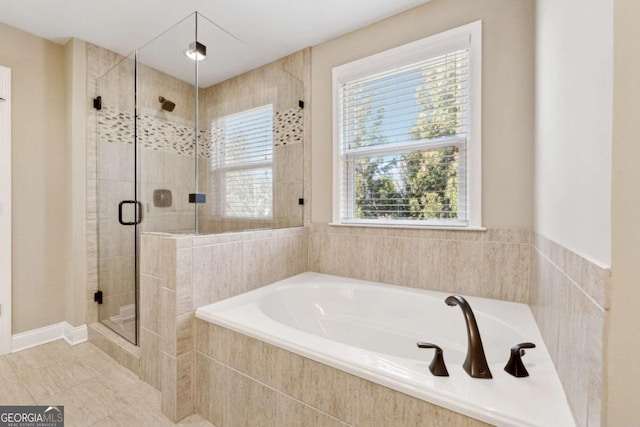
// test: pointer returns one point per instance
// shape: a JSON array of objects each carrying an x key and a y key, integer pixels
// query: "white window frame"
[
  {"x": 220, "y": 174},
  {"x": 470, "y": 36},
  {"x": 5, "y": 210}
]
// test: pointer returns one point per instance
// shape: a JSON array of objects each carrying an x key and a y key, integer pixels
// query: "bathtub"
[{"x": 371, "y": 329}]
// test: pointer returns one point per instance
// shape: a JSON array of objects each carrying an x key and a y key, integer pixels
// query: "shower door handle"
[{"x": 138, "y": 210}]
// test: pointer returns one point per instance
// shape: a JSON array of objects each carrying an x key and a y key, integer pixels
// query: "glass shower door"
[
  {"x": 119, "y": 214},
  {"x": 188, "y": 142},
  {"x": 166, "y": 122}
]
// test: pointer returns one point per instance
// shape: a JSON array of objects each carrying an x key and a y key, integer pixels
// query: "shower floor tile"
[{"x": 93, "y": 388}]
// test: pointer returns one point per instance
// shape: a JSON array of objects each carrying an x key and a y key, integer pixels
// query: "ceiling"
[{"x": 249, "y": 33}]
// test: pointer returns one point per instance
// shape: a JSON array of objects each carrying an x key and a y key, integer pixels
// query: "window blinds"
[
  {"x": 242, "y": 156},
  {"x": 402, "y": 142}
]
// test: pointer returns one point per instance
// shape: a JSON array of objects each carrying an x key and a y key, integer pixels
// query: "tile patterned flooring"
[{"x": 93, "y": 388}]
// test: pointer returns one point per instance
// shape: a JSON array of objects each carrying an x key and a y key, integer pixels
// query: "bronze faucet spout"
[{"x": 475, "y": 363}]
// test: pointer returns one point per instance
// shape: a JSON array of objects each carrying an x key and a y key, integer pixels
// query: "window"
[
  {"x": 242, "y": 163},
  {"x": 407, "y": 134}
]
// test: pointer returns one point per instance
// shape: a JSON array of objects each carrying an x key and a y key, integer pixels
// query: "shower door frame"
[
  {"x": 5, "y": 210},
  {"x": 137, "y": 212},
  {"x": 137, "y": 205}
]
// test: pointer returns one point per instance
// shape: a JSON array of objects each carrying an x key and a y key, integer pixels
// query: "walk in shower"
[{"x": 196, "y": 133}]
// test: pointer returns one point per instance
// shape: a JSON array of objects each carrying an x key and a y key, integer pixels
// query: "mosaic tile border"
[
  {"x": 162, "y": 135},
  {"x": 288, "y": 126}
]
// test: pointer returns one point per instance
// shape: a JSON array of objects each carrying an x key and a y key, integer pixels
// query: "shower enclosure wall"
[{"x": 190, "y": 145}]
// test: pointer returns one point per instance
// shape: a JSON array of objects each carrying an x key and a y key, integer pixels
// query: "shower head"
[{"x": 166, "y": 104}]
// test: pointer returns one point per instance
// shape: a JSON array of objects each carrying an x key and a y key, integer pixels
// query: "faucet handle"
[
  {"x": 515, "y": 366},
  {"x": 437, "y": 366}
]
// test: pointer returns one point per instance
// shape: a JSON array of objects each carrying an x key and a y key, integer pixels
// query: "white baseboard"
[{"x": 72, "y": 335}]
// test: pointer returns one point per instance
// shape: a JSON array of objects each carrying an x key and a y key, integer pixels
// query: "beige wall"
[
  {"x": 507, "y": 107},
  {"x": 623, "y": 380},
  {"x": 573, "y": 125},
  {"x": 41, "y": 224}
]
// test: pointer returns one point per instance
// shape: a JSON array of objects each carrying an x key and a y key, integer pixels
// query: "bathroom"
[{"x": 554, "y": 75}]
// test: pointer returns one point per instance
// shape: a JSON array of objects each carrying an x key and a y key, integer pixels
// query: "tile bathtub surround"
[
  {"x": 491, "y": 264},
  {"x": 242, "y": 381},
  {"x": 180, "y": 273},
  {"x": 568, "y": 297}
]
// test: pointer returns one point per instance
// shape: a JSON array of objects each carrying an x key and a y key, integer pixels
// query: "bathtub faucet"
[{"x": 475, "y": 363}]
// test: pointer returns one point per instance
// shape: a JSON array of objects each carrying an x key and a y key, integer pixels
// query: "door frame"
[{"x": 5, "y": 210}]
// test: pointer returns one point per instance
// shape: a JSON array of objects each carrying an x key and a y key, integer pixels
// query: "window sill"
[{"x": 408, "y": 227}]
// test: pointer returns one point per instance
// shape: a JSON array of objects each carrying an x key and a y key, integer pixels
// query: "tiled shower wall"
[
  {"x": 282, "y": 84},
  {"x": 182, "y": 273},
  {"x": 492, "y": 263},
  {"x": 166, "y": 162},
  {"x": 568, "y": 297}
]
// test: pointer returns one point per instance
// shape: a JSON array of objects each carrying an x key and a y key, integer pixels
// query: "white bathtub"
[{"x": 370, "y": 330}]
